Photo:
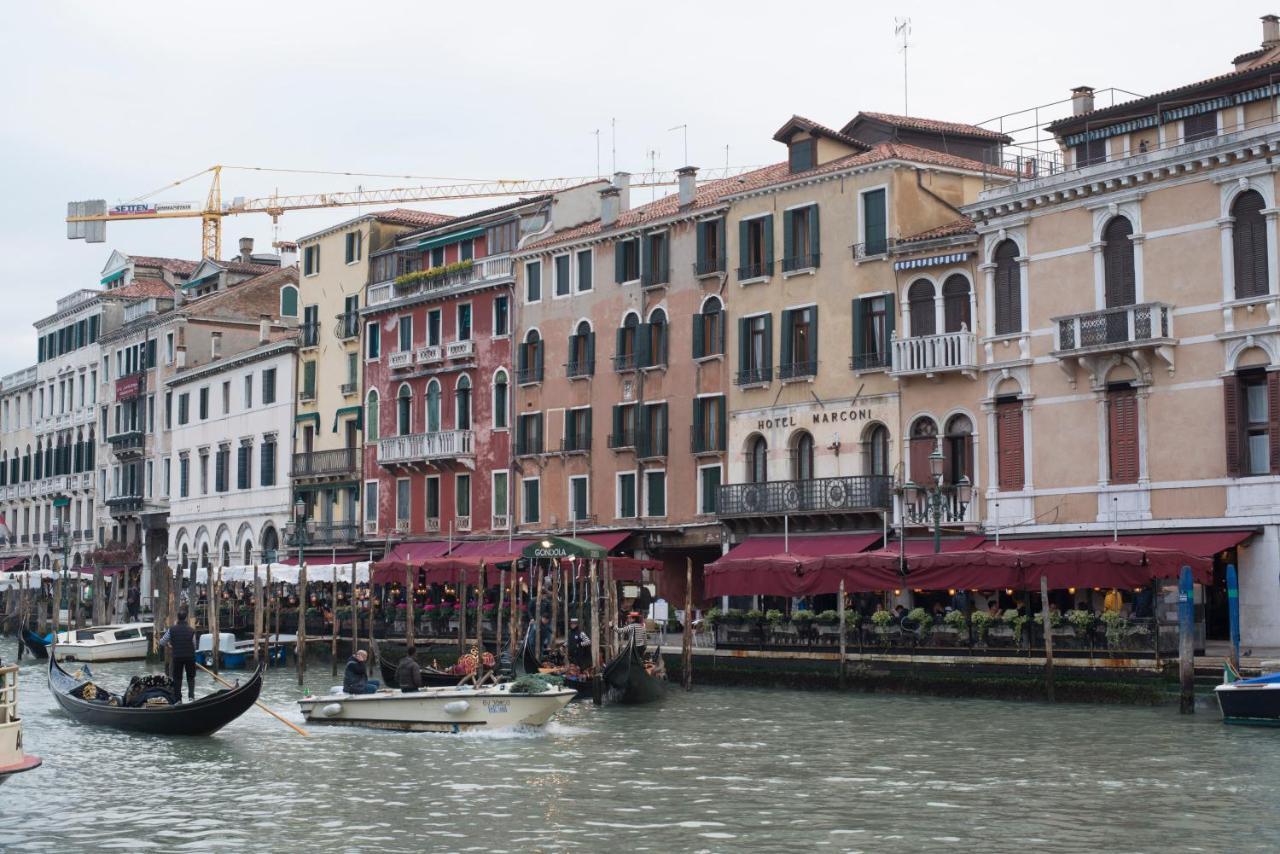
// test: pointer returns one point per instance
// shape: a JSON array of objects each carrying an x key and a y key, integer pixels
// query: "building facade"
[{"x": 17, "y": 403}]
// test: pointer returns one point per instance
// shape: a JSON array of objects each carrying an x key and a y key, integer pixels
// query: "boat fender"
[
  {"x": 331, "y": 710},
  {"x": 336, "y": 689},
  {"x": 457, "y": 707}
]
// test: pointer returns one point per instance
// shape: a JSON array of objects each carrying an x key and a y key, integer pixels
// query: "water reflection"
[{"x": 715, "y": 770}]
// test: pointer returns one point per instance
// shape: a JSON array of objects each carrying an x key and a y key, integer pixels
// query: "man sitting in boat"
[
  {"x": 355, "y": 680},
  {"x": 579, "y": 646},
  {"x": 634, "y": 631},
  {"x": 409, "y": 673}
]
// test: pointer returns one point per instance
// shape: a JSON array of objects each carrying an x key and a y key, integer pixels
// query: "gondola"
[
  {"x": 580, "y": 682},
  {"x": 36, "y": 645},
  {"x": 629, "y": 682},
  {"x": 198, "y": 717},
  {"x": 432, "y": 677}
]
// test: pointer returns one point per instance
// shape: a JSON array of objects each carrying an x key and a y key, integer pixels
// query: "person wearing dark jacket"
[
  {"x": 579, "y": 646},
  {"x": 408, "y": 673},
  {"x": 181, "y": 640},
  {"x": 355, "y": 680}
]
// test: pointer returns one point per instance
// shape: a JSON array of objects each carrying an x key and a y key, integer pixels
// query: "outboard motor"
[{"x": 505, "y": 669}]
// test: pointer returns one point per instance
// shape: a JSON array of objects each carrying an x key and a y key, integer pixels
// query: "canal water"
[{"x": 719, "y": 769}]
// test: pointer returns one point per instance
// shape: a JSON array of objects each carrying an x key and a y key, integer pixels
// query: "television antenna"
[{"x": 902, "y": 27}]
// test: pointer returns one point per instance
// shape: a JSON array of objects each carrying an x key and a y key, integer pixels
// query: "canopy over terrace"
[{"x": 799, "y": 566}]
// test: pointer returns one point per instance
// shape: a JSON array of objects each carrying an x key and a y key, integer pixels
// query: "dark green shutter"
[
  {"x": 873, "y": 230},
  {"x": 537, "y": 360},
  {"x": 700, "y": 421},
  {"x": 721, "y": 226},
  {"x": 768, "y": 343},
  {"x": 573, "y": 352},
  {"x": 699, "y": 344},
  {"x": 591, "y": 353},
  {"x": 642, "y": 345},
  {"x": 644, "y": 245},
  {"x": 619, "y": 269},
  {"x": 621, "y": 335},
  {"x": 784, "y": 358},
  {"x": 617, "y": 425},
  {"x": 569, "y": 432},
  {"x": 722, "y": 319},
  {"x": 722, "y": 425},
  {"x": 859, "y": 335},
  {"x": 767, "y": 224},
  {"x": 788, "y": 239},
  {"x": 890, "y": 319},
  {"x": 744, "y": 346},
  {"x": 702, "y": 246},
  {"x": 586, "y": 426},
  {"x": 664, "y": 258},
  {"x": 744, "y": 258},
  {"x": 642, "y": 428},
  {"x": 815, "y": 244},
  {"x": 813, "y": 339}
]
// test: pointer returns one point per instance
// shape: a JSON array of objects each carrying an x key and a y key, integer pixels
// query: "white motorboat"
[
  {"x": 454, "y": 709},
  {"x": 12, "y": 759},
  {"x": 120, "y": 642}
]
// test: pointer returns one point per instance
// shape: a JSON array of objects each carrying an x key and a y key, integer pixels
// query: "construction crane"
[{"x": 87, "y": 220}]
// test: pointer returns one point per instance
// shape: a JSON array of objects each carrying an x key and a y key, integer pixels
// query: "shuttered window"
[
  {"x": 711, "y": 254},
  {"x": 1252, "y": 421},
  {"x": 955, "y": 304},
  {"x": 627, "y": 495},
  {"x": 708, "y": 330},
  {"x": 709, "y": 487},
  {"x": 655, "y": 489},
  {"x": 1249, "y": 245},
  {"x": 267, "y": 463},
  {"x": 244, "y": 456},
  {"x": 924, "y": 441},
  {"x": 1008, "y": 289},
  {"x": 1122, "y": 435},
  {"x": 533, "y": 281},
  {"x": 875, "y": 234},
  {"x": 1117, "y": 259},
  {"x": 873, "y": 325},
  {"x": 1009, "y": 450},
  {"x": 626, "y": 260},
  {"x": 920, "y": 301}
]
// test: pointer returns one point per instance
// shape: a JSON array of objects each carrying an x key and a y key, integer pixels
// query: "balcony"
[
  {"x": 432, "y": 525},
  {"x": 755, "y": 272},
  {"x": 347, "y": 326},
  {"x": 651, "y": 446},
  {"x": 500, "y": 523},
  {"x": 307, "y": 395},
  {"x": 626, "y": 440},
  {"x": 462, "y": 523},
  {"x": 429, "y": 355},
  {"x": 870, "y": 361},
  {"x": 426, "y": 447},
  {"x": 339, "y": 462},
  {"x": 655, "y": 278},
  {"x": 705, "y": 441},
  {"x": 754, "y": 376},
  {"x": 528, "y": 446},
  {"x": 460, "y": 349},
  {"x": 310, "y": 334},
  {"x": 400, "y": 360},
  {"x": 575, "y": 445},
  {"x": 348, "y": 388},
  {"x": 624, "y": 363},
  {"x": 874, "y": 249},
  {"x": 577, "y": 368},
  {"x": 793, "y": 371},
  {"x": 483, "y": 271},
  {"x": 402, "y": 526},
  {"x": 124, "y": 504},
  {"x": 529, "y": 375},
  {"x": 928, "y": 355},
  {"x": 1146, "y": 326},
  {"x": 801, "y": 263},
  {"x": 861, "y": 493},
  {"x": 130, "y": 443},
  {"x": 708, "y": 267},
  {"x": 334, "y": 534},
  {"x": 371, "y": 527}
]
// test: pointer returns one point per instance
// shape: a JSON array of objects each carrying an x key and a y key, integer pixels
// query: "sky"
[{"x": 113, "y": 100}]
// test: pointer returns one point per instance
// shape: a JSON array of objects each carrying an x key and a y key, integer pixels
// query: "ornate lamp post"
[{"x": 936, "y": 496}]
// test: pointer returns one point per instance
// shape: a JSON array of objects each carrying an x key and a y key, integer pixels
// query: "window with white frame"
[
  {"x": 579, "y": 506},
  {"x": 655, "y": 492},
  {"x": 625, "y": 507},
  {"x": 531, "y": 500}
]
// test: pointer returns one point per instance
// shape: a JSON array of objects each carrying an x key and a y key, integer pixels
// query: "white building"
[
  {"x": 231, "y": 441},
  {"x": 17, "y": 402}
]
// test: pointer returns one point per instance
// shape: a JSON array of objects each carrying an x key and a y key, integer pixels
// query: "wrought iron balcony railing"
[
  {"x": 754, "y": 376},
  {"x": 347, "y": 326},
  {"x": 1149, "y": 324},
  {"x": 755, "y": 271},
  {"x": 821, "y": 495},
  {"x": 705, "y": 441},
  {"x": 338, "y": 461},
  {"x": 801, "y": 262},
  {"x": 797, "y": 370},
  {"x": 624, "y": 440},
  {"x": 708, "y": 266}
]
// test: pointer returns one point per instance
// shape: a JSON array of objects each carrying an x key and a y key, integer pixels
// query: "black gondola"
[
  {"x": 198, "y": 717},
  {"x": 432, "y": 677},
  {"x": 628, "y": 681},
  {"x": 35, "y": 644},
  {"x": 580, "y": 682}
]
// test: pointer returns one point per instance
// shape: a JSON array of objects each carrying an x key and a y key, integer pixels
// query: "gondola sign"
[{"x": 560, "y": 548}]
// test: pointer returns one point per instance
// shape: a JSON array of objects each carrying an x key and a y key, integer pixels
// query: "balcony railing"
[
  {"x": 1148, "y": 323},
  {"x": 429, "y": 355},
  {"x": 624, "y": 440},
  {"x": 348, "y": 388},
  {"x": 754, "y": 376},
  {"x": 822, "y": 495},
  {"x": 462, "y": 523},
  {"x": 705, "y": 441},
  {"x": 500, "y": 523},
  {"x": 575, "y": 444},
  {"x": 932, "y": 354},
  {"x": 482, "y": 271},
  {"x": 755, "y": 271},
  {"x": 527, "y": 446},
  {"x": 872, "y": 250},
  {"x": 431, "y": 525},
  {"x": 651, "y": 445},
  {"x": 801, "y": 262},
  {"x": 402, "y": 526},
  {"x": 797, "y": 370},
  {"x": 370, "y": 527},
  {"x": 310, "y": 333},
  {"x": 460, "y": 349},
  {"x": 444, "y": 444},
  {"x": 400, "y": 359},
  {"x": 128, "y": 443},
  {"x": 869, "y": 361},
  {"x": 580, "y": 368},
  {"x": 708, "y": 266},
  {"x": 124, "y": 504},
  {"x": 655, "y": 278},
  {"x": 334, "y": 534},
  {"x": 624, "y": 362},
  {"x": 338, "y": 461},
  {"x": 348, "y": 326},
  {"x": 529, "y": 375}
]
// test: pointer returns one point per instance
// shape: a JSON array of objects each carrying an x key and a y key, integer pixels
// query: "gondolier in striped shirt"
[{"x": 634, "y": 632}]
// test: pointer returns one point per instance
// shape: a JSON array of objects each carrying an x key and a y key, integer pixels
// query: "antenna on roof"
[
  {"x": 902, "y": 27},
  {"x": 726, "y": 156},
  {"x": 653, "y": 154},
  {"x": 597, "y": 135},
  {"x": 685, "y": 128},
  {"x": 613, "y": 145}
]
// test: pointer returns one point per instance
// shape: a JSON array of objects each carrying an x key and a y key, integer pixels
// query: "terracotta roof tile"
[
  {"x": 142, "y": 288},
  {"x": 810, "y": 126},
  {"x": 178, "y": 266},
  {"x": 407, "y": 216},
  {"x": 929, "y": 125},
  {"x": 963, "y": 225}
]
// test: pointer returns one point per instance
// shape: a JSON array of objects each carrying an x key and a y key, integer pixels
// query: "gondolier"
[
  {"x": 579, "y": 646},
  {"x": 634, "y": 632},
  {"x": 181, "y": 640}
]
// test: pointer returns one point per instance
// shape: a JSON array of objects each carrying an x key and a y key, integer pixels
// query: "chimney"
[
  {"x": 180, "y": 359},
  {"x": 215, "y": 346},
  {"x": 264, "y": 328},
  {"x": 622, "y": 180},
  {"x": 688, "y": 178},
  {"x": 1081, "y": 100},
  {"x": 246, "y": 250},
  {"x": 1270, "y": 31},
  {"x": 288, "y": 254},
  {"x": 608, "y": 207}
]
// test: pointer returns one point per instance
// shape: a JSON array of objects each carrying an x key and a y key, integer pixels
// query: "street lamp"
[
  {"x": 935, "y": 495},
  {"x": 59, "y": 540},
  {"x": 300, "y": 526}
]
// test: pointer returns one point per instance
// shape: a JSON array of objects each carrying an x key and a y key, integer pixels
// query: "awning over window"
[
  {"x": 809, "y": 566},
  {"x": 391, "y": 568},
  {"x": 562, "y": 547},
  {"x": 11, "y": 563},
  {"x": 456, "y": 237},
  {"x": 114, "y": 277},
  {"x": 607, "y": 540},
  {"x": 307, "y": 418},
  {"x": 346, "y": 411}
]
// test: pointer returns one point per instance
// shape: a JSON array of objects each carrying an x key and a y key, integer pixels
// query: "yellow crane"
[{"x": 87, "y": 220}]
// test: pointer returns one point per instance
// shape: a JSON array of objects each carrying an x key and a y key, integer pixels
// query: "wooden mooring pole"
[
  {"x": 1048, "y": 638},
  {"x": 597, "y": 686},
  {"x": 302, "y": 622},
  {"x": 333, "y": 609},
  {"x": 844, "y": 643},
  {"x": 686, "y": 639},
  {"x": 1186, "y": 643},
  {"x": 408, "y": 608},
  {"x": 257, "y": 616}
]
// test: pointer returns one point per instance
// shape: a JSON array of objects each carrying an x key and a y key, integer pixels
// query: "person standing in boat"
[
  {"x": 634, "y": 632},
  {"x": 133, "y": 602},
  {"x": 408, "y": 672},
  {"x": 355, "y": 679},
  {"x": 579, "y": 646},
  {"x": 181, "y": 640}
]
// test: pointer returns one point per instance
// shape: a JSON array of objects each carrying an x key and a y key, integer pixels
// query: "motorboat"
[
  {"x": 454, "y": 709},
  {"x": 150, "y": 703},
  {"x": 118, "y": 642},
  {"x": 13, "y": 760},
  {"x": 238, "y": 654},
  {"x": 1253, "y": 702},
  {"x": 36, "y": 644}
]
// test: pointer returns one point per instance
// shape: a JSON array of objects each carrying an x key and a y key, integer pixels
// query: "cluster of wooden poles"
[{"x": 23, "y": 601}]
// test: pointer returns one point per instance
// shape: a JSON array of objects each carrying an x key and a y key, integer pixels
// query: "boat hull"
[
  {"x": 1256, "y": 705},
  {"x": 452, "y": 710},
  {"x": 12, "y": 760},
  {"x": 99, "y": 644},
  {"x": 36, "y": 645}
]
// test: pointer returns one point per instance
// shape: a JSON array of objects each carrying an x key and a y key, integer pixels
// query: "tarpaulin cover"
[
  {"x": 321, "y": 557},
  {"x": 1197, "y": 543},
  {"x": 804, "y": 546},
  {"x": 607, "y": 540},
  {"x": 391, "y": 568},
  {"x": 632, "y": 568},
  {"x": 981, "y": 568},
  {"x": 11, "y": 563},
  {"x": 810, "y": 566}
]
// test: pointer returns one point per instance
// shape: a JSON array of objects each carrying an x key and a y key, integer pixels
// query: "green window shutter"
[
  {"x": 815, "y": 243},
  {"x": 890, "y": 319},
  {"x": 700, "y": 416},
  {"x": 744, "y": 346},
  {"x": 859, "y": 335},
  {"x": 642, "y": 345},
  {"x": 702, "y": 245},
  {"x": 620, "y": 335},
  {"x": 721, "y": 227},
  {"x": 784, "y": 357},
  {"x": 874, "y": 233},
  {"x": 768, "y": 240},
  {"x": 768, "y": 342},
  {"x": 309, "y": 377},
  {"x": 744, "y": 258},
  {"x": 664, "y": 258},
  {"x": 569, "y": 431},
  {"x": 289, "y": 301},
  {"x": 699, "y": 345},
  {"x": 617, "y": 424},
  {"x": 813, "y": 337},
  {"x": 645, "y": 247},
  {"x": 642, "y": 425},
  {"x": 722, "y": 424},
  {"x": 619, "y": 267},
  {"x": 573, "y": 349},
  {"x": 591, "y": 353},
  {"x": 788, "y": 242},
  {"x": 537, "y": 359},
  {"x": 586, "y": 425}
]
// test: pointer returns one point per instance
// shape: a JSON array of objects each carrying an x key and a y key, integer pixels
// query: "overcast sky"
[{"x": 111, "y": 100}]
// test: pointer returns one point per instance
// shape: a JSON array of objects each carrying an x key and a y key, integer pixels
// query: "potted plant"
[
  {"x": 713, "y": 617},
  {"x": 981, "y": 621},
  {"x": 1016, "y": 621},
  {"x": 921, "y": 621},
  {"x": 1082, "y": 622},
  {"x": 1117, "y": 628},
  {"x": 882, "y": 625}
]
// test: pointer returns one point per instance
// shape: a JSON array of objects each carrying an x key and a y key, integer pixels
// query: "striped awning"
[
  {"x": 931, "y": 261},
  {"x": 1111, "y": 130},
  {"x": 456, "y": 237},
  {"x": 1197, "y": 109},
  {"x": 118, "y": 274}
]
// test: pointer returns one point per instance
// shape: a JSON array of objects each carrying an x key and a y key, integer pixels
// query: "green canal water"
[{"x": 719, "y": 769}]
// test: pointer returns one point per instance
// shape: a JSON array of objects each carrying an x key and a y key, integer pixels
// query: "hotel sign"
[
  {"x": 821, "y": 417},
  {"x": 130, "y": 387}
]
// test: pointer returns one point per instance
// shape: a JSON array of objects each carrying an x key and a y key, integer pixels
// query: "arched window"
[
  {"x": 1008, "y": 289},
  {"x": 4, "y": 469},
  {"x": 404, "y": 410},
  {"x": 877, "y": 450},
  {"x": 204, "y": 555},
  {"x": 958, "y": 449},
  {"x": 531, "y": 357},
  {"x": 955, "y": 304},
  {"x": 462, "y": 403},
  {"x": 920, "y": 300},
  {"x": 288, "y": 301},
  {"x": 226, "y": 554},
  {"x": 371, "y": 426},
  {"x": 758, "y": 460},
  {"x": 39, "y": 473},
  {"x": 1249, "y": 245},
  {"x": 1120, "y": 284},
  {"x": 656, "y": 351},
  {"x": 183, "y": 561},
  {"x": 433, "y": 407},
  {"x": 802, "y": 456},
  {"x": 624, "y": 358},
  {"x": 582, "y": 350},
  {"x": 708, "y": 329},
  {"x": 500, "y": 395},
  {"x": 270, "y": 545},
  {"x": 924, "y": 441},
  {"x": 248, "y": 552}
]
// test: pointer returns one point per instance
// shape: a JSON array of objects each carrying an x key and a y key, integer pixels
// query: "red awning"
[
  {"x": 467, "y": 556},
  {"x": 1196, "y": 543},
  {"x": 830, "y": 544},
  {"x": 966, "y": 569},
  {"x": 1111, "y": 565},
  {"x": 107, "y": 571},
  {"x": 406, "y": 555},
  {"x": 607, "y": 540},
  {"x": 811, "y": 566},
  {"x": 632, "y": 568},
  {"x": 11, "y": 563}
]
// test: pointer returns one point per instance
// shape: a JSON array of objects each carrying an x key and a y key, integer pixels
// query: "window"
[
  {"x": 624, "y": 426},
  {"x": 655, "y": 493},
  {"x": 920, "y": 304},
  {"x": 371, "y": 503},
  {"x": 1249, "y": 245},
  {"x": 221, "y": 466},
  {"x": 626, "y": 501},
  {"x": 501, "y": 316},
  {"x": 310, "y": 325},
  {"x": 877, "y": 451},
  {"x": 204, "y": 403},
  {"x": 1090, "y": 152},
  {"x": 758, "y": 460},
  {"x": 437, "y": 256},
  {"x": 533, "y": 281},
  {"x": 652, "y": 340},
  {"x": 624, "y": 357},
  {"x": 875, "y": 233},
  {"x": 404, "y": 410},
  {"x": 708, "y": 488},
  {"x": 709, "y": 424},
  {"x": 464, "y": 322},
  {"x": 582, "y": 351},
  {"x": 248, "y": 392},
  {"x": 168, "y": 410},
  {"x": 924, "y": 441},
  {"x": 957, "y": 450},
  {"x": 755, "y": 248},
  {"x": 1009, "y": 452},
  {"x": 288, "y": 301},
  {"x": 529, "y": 434},
  {"x": 1200, "y": 126},
  {"x": 165, "y": 465},
  {"x": 1119, "y": 276},
  {"x": 577, "y": 429},
  {"x": 499, "y": 239},
  {"x": 404, "y": 329},
  {"x": 466, "y": 249},
  {"x": 244, "y": 460},
  {"x": 308, "y": 380},
  {"x": 268, "y": 386},
  {"x": 354, "y": 243},
  {"x": 710, "y": 250},
  {"x": 755, "y": 349},
  {"x": 626, "y": 260},
  {"x": 372, "y": 340},
  {"x": 1252, "y": 422},
  {"x": 434, "y": 317},
  {"x": 708, "y": 329},
  {"x": 462, "y": 404},
  {"x": 955, "y": 304},
  {"x": 585, "y": 259},
  {"x": 1122, "y": 434},
  {"x": 531, "y": 501},
  {"x": 353, "y": 373},
  {"x": 802, "y": 154},
  {"x": 204, "y": 472},
  {"x": 652, "y": 433},
  {"x": 656, "y": 266},
  {"x": 561, "y": 272},
  {"x": 267, "y": 462},
  {"x": 184, "y": 476},
  {"x": 462, "y": 499},
  {"x": 310, "y": 261},
  {"x": 802, "y": 456},
  {"x": 1008, "y": 289},
  {"x": 873, "y": 323},
  {"x": 801, "y": 249},
  {"x": 371, "y": 429},
  {"x": 799, "y": 343},
  {"x": 498, "y": 498},
  {"x": 403, "y": 504},
  {"x": 500, "y": 393},
  {"x": 579, "y": 510},
  {"x": 226, "y": 397},
  {"x": 530, "y": 363}
]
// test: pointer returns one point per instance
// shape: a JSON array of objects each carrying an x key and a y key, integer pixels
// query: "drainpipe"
[{"x": 920, "y": 185}]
